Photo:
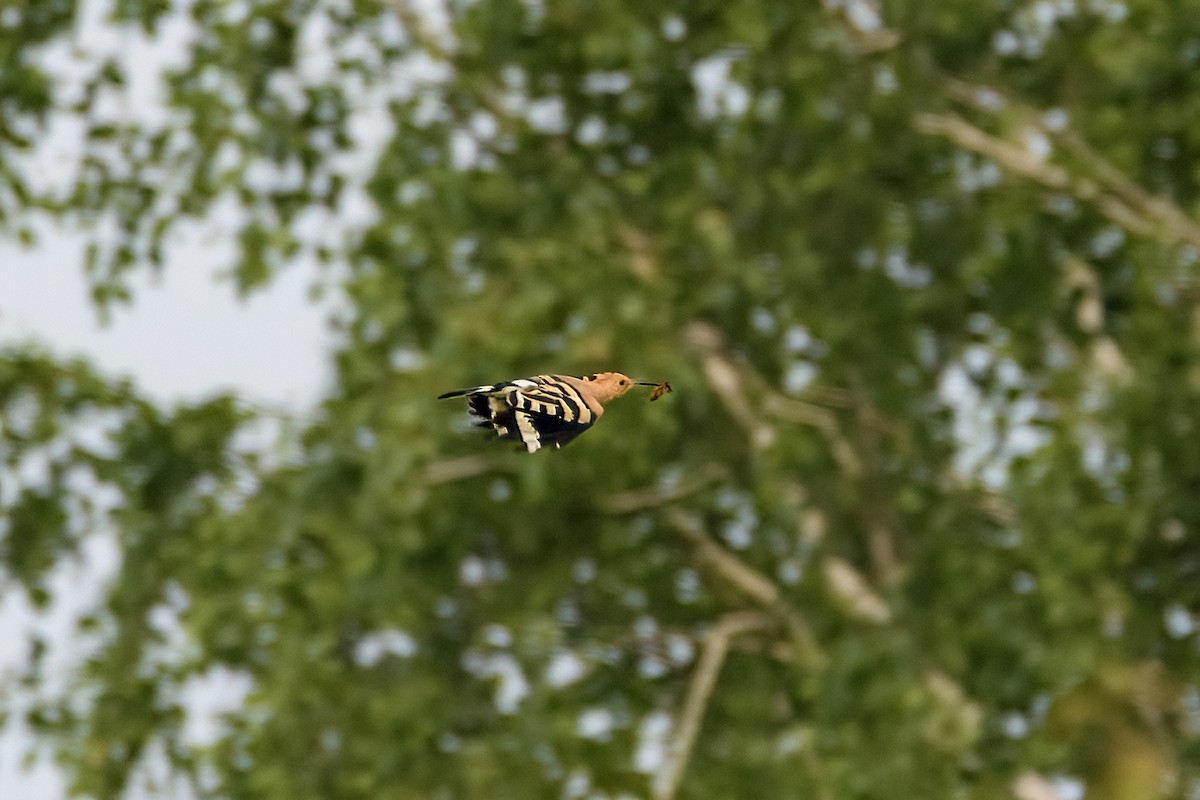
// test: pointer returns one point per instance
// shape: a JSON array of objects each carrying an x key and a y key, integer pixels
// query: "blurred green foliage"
[{"x": 923, "y": 276}]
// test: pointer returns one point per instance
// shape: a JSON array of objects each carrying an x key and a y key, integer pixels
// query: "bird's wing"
[
  {"x": 553, "y": 397},
  {"x": 549, "y": 413},
  {"x": 543, "y": 430}
]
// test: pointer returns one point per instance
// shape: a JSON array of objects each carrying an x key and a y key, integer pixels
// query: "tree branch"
[
  {"x": 421, "y": 28},
  {"x": 878, "y": 510},
  {"x": 1013, "y": 157},
  {"x": 657, "y": 496},
  {"x": 735, "y": 383},
  {"x": 1082, "y": 285},
  {"x": 699, "y": 694},
  {"x": 1109, "y": 190},
  {"x": 849, "y": 586},
  {"x": 1032, "y": 786},
  {"x": 728, "y": 385},
  {"x": 748, "y": 581},
  {"x": 448, "y": 470}
]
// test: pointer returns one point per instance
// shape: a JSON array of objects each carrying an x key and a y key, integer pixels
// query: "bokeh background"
[{"x": 920, "y": 519}]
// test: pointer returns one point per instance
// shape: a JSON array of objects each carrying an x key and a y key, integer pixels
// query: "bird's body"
[{"x": 545, "y": 410}]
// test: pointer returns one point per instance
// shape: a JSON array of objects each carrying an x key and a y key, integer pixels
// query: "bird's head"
[{"x": 608, "y": 386}]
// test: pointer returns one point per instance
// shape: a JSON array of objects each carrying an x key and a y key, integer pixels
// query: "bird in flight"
[{"x": 548, "y": 410}]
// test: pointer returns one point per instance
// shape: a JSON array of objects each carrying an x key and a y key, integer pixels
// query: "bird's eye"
[{"x": 622, "y": 383}]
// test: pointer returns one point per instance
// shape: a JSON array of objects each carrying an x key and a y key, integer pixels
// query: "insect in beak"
[{"x": 660, "y": 388}]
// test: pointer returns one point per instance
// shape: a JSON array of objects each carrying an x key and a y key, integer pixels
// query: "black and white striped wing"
[{"x": 537, "y": 412}]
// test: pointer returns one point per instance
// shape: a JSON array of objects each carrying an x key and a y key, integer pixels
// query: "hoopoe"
[{"x": 547, "y": 409}]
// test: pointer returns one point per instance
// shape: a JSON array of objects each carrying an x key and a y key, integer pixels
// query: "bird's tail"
[{"x": 472, "y": 390}]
